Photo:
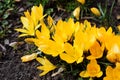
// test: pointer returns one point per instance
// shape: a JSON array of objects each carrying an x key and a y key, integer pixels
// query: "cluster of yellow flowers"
[{"x": 72, "y": 42}]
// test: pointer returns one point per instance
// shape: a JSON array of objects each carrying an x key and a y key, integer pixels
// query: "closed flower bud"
[
  {"x": 30, "y": 57},
  {"x": 81, "y": 1},
  {"x": 95, "y": 11},
  {"x": 76, "y": 13}
]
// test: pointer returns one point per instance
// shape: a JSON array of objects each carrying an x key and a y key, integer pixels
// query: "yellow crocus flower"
[
  {"x": 85, "y": 36},
  {"x": 109, "y": 73},
  {"x": 76, "y": 13},
  {"x": 40, "y": 36},
  {"x": 105, "y": 36},
  {"x": 112, "y": 73},
  {"x": 81, "y": 1},
  {"x": 71, "y": 55},
  {"x": 31, "y": 21},
  {"x": 93, "y": 70},
  {"x": 30, "y": 57},
  {"x": 113, "y": 55},
  {"x": 37, "y": 14},
  {"x": 112, "y": 44},
  {"x": 96, "y": 51},
  {"x": 64, "y": 30},
  {"x": 50, "y": 47},
  {"x": 47, "y": 66},
  {"x": 45, "y": 44},
  {"x": 95, "y": 11}
]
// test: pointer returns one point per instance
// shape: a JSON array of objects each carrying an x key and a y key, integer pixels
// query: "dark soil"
[{"x": 11, "y": 67}]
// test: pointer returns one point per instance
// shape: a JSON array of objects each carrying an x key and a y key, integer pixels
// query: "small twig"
[
  {"x": 87, "y": 17},
  {"x": 61, "y": 69},
  {"x": 91, "y": 18}
]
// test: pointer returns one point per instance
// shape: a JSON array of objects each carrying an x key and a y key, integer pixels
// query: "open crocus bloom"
[
  {"x": 31, "y": 21},
  {"x": 96, "y": 51},
  {"x": 113, "y": 54},
  {"x": 93, "y": 70},
  {"x": 113, "y": 47},
  {"x": 104, "y": 36},
  {"x": 85, "y": 36},
  {"x": 71, "y": 54},
  {"x": 112, "y": 73}
]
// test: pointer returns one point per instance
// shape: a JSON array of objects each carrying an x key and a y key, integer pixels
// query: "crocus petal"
[
  {"x": 22, "y": 30},
  {"x": 99, "y": 74},
  {"x": 84, "y": 74},
  {"x": 47, "y": 66},
  {"x": 30, "y": 57},
  {"x": 50, "y": 21},
  {"x": 67, "y": 58}
]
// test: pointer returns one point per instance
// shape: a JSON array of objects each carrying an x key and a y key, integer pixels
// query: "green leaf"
[{"x": 80, "y": 78}]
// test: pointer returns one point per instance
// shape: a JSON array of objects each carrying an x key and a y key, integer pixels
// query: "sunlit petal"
[{"x": 47, "y": 66}]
